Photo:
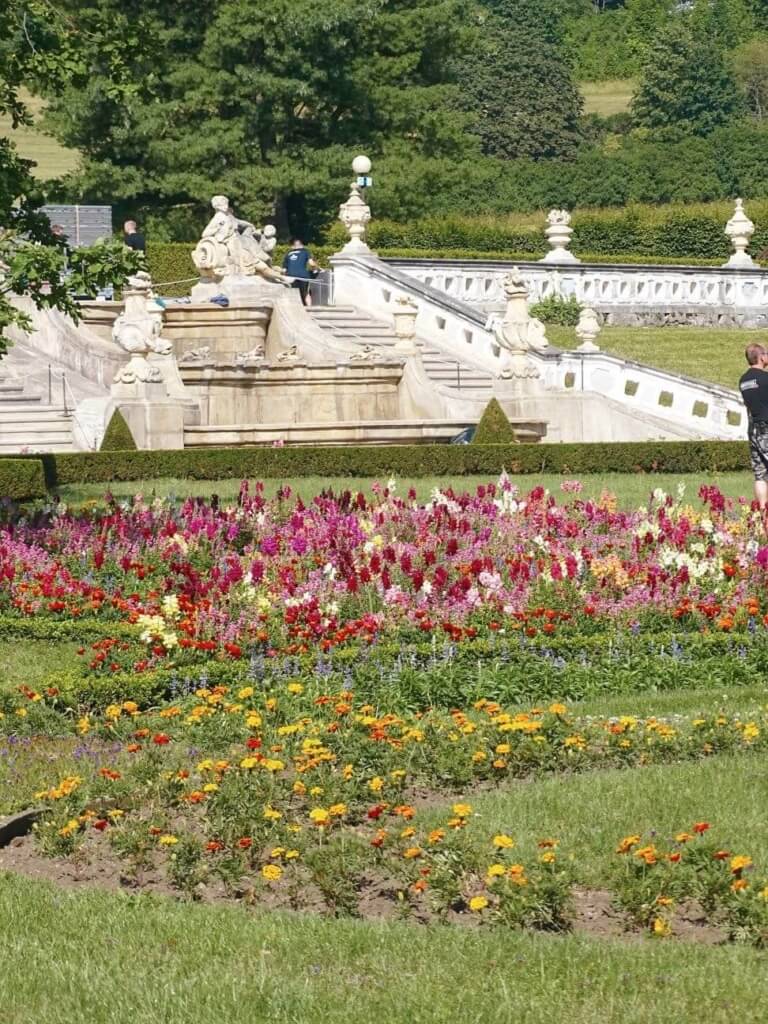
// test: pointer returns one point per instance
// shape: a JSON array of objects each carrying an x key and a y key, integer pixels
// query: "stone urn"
[
  {"x": 404, "y": 314},
  {"x": 558, "y": 233},
  {"x": 739, "y": 230},
  {"x": 587, "y": 330},
  {"x": 355, "y": 215}
]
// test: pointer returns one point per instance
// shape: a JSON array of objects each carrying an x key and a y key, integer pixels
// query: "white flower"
[
  {"x": 426, "y": 587},
  {"x": 170, "y": 606}
]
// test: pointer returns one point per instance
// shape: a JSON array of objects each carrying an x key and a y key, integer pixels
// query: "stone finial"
[
  {"x": 355, "y": 215},
  {"x": 587, "y": 330},
  {"x": 739, "y": 230},
  {"x": 404, "y": 314},
  {"x": 558, "y": 233}
]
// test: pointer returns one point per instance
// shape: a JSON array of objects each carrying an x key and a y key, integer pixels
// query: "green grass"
[
  {"x": 712, "y": 354},
  {"x": 52, "y": 159},
  {"x": 30, "y": 662},
  {"x": 612, "y": 96},
  {"x": 590, "y": 812},
  {"x": 90, "y": 957},
  {"x": 631, "y": 489}
]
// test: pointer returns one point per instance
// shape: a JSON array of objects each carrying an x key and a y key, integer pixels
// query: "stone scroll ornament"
[
  {"x": 518, "y": 332},
  {"x": 137, "y": 331},
  {"x": 230, "y": 247}
]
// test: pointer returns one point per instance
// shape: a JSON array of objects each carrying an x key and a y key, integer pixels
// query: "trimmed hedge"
[
  {"x": 117, "y": 436},
  {"x": 494, "y": 426},
  {"x": 21, "y": 479},
  {"x": 401, "y": 460}
]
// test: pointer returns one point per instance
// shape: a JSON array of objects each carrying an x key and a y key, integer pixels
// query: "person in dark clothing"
[
  {"x": 753, "y": 386},
  {"x": 298, "y": 264},
  {"x": 132, "y": 238}
]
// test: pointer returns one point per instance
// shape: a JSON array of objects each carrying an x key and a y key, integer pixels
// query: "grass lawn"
[
  {"x": 52, "y": 159},
  {"x": 630, "y": 489},
  {"x": 612, "y": 96},
  {"x": 30, "y": 662},
  {"x": 711, "y": 354},
  {"x": 90, "y": 957}
]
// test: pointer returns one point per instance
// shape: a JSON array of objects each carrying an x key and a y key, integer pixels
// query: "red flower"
[
  {"x": 161, "y": 738},
  {"x": 245, "y": 843},
  {"x": 722, "y": 854},
  {"x": 101, "y": 824},
  {"x": 253, "y": 743},
  {"x": 701, "y": 827},
  {"x": 376, "y": 812},
  {"x": 214, "y": 846},
  {"x": 233, "y": 650}
]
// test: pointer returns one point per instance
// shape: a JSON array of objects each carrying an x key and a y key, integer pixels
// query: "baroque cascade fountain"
[{"x": 404, "y": 351}]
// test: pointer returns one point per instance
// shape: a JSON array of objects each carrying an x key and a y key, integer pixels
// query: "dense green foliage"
[
  {"x": 687, "y": 86},
  {"x": 494, "y": 426},
  {"x": 517, "y": 88},
  {"x": 21, "y": 479},
  {"x": 557, "y": 310},
  {"x": 400, "y": 460},
  {"x": 118, "y": 436}
]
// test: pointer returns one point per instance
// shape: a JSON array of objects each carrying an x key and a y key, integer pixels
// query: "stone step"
[
  {"x": 38, "y": 446},
  {"x": 18, "y": 398}
]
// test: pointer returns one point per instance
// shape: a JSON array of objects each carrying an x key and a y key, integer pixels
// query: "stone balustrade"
[
  {"x": 669, "y": 405},
  {"x": 623, "y": 294}
]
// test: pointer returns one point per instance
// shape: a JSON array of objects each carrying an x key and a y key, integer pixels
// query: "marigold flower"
[
  {"x": 319, "y": 816},
  {"x": 462, "y": 810},
  {"x": 739, "y": 884},
  {"x": 496, "y": 871},
  {"x": 437, "y": 835},
  {"x": 337, "y": 810},
  {"x": 161, "y": 739},
  {"x": 245, "y": 843},
  {"x": 412, "y": 852},
  {"x": 739, "y": 863},
  {"x": 272, "y": 872},
  {"x": 168, "y": 840},
  {"x": 700, "y": 827},
  {"x": 661, "y": 927},
  {"x": 627, "y": 843},
  {"x": 503, "y": 842},
  {"x": 478, "y": 903},
  {"x": 549, "y": 857}
]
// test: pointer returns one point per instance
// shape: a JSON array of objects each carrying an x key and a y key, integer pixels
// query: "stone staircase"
[
  {"x": 27, "y": 423},
  {"x": 351, "y": 324}
]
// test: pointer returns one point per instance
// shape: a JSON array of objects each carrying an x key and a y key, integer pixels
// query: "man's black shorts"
[{"x": 758, "y": 442}]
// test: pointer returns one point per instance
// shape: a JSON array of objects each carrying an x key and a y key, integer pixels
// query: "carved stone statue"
[
  {"x": 231, "y": 247},
  {"x": 587, "y": 330},
  {"x": 137, "y": 330},
  {"x": 558, "y": 217},
  {"x": 518, "y": 332}
]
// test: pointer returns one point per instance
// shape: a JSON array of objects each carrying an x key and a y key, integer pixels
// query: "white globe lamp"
[{"x": 361, "y": 165}]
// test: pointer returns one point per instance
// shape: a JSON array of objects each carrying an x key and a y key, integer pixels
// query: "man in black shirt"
[
  {"x": 132, "y": 238},
  {"x": 299, "y": 265},
  {"x": 753, "y": 386}
]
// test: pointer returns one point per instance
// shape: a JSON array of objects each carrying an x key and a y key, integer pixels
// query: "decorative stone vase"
[
  {"x": 558, "y": 234},
  {"x": 355, "y": 215},
  {"x": 739, "y": 230},
  {"x": 587, "y": 330},
  {"x": 137, "y": 332},
  {"x": 404, "y": 314}
]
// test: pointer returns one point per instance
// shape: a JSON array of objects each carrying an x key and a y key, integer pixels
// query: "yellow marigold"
[
  {"x": 245, "y": 693},
  {"x": 751, "y": 732},
  {"x": 348, "y": 771},
  {"x": 627, "y": 843},
  {"x": 496, "y": 871},
  {"x": 664, "y": 901},
  {"x": 84, "y": 725},
  {"x": 408, "y": 832},
  {"x": 273, "y": 764},
  {"x": 462, "y": 810},
  {"x": 316, "y": 791},
  {"x": 253, "y": 720},
  {"x": 272, "y": 872},
  {"x": 130, "y": 707},
  {"x": 167, "y": 840},
  {"x": 503, "y": 842},
  {"x": 548, "y": 858},
  {"x": 376, "y": 784},
  {"x": 270, "y": 814},
  {"x": 479, "y": 756},
  {"x": 210, "y": 787},
  {"x": 683, "y": 837},
  {"x": 558, "y": 709},
  {"x": 478, "y": 903},
  {"x": 739, "y": 863},
  {"x": 337, "y": 810},
  {"x": 292, "y": 854},
  {"x": 412, "y": 852},
  {"x": 739, "y": 884},
  {"x": 319, "y": 816},
  {"x": 661, "y": 927},
  {"x": 113, "y": 711},
  {"x": 437, "y": 835},
  {"x": 502, "y": 748},
  {"x": 249, "y": 762}
]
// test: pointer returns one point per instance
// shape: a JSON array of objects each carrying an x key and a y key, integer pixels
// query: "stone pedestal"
[
  {"x": 240, "y": 289},
  {"x": 558, "y": 233},
  {"x": 739, "y": 230},
  {"x": 156, "y": 421}
]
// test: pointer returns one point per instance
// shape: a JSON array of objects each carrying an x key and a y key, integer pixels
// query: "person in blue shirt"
[{"x": 298, "y": 264}]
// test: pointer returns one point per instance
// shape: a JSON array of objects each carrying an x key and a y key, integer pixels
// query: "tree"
[
  {"x": 686, "y": 86},
  {"x": 517, "y": 86},
  {"x": 36, "y": 48},
  {"x": 494, "y": 426},
  {"x": 267, "y": 103},
  {"x": 750, "y": 65}
]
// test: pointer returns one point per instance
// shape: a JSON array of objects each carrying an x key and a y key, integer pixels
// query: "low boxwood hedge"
[
  {"x": 21, "y": 479},
  {"x": 398, "y": 460}
]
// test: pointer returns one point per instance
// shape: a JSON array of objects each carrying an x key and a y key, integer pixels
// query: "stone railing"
[
  {"x": 623, "y": 294},
  {"x": 674, "y": 405}
]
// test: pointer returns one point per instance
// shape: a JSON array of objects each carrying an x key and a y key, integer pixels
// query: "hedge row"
[
  {"x": 632, "y": 235},
  {"x": 21, "y": 479},
  {"x": 398, "y": 460},
  {"x": 171, "y": 261}
]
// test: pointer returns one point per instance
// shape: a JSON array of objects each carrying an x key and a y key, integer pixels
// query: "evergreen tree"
[
  {"x": 267, "y": 103},
  {"x": 494, "y": 426},
  {"x": 517, "y": 85},
  {"x": 686, "y": 86}
]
